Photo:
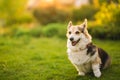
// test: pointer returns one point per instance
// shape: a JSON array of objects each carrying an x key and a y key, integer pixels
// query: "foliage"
[
  {"x": 83, "y": 12},
  {"x": 51, "y": 30},
  {"x": 109, "y": 15},
  {"x": 13, "y": 11},
  {"x": 59, "y": 30},
  {"x": 108, "y": 22},
  {"x": 105, "y": 32},
  {"x": 55, "y": 30},
  {"x": 103, "y": 22},
  {"x": 36, "y": 32},
  {"x": 51, "y": 15},
  {"x": 20, "y": 32},
  {"x": 109, "y": 1}
]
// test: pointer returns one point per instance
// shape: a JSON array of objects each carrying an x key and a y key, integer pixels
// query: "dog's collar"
[{"x": 81, "y": 49}]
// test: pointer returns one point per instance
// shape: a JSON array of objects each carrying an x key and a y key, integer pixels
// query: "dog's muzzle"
[{"x": 74, "y": 42}]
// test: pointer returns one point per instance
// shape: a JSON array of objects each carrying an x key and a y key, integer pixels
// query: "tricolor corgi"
[{"x": 82, "y": 53}]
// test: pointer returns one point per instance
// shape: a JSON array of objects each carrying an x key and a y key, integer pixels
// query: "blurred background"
[
  {"x": 49, "y": 18},
  {"x": 33, "y": 37}
]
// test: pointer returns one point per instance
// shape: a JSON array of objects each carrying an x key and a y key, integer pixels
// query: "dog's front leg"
[
  {"x": 96, "y": 66},
  {"x": 79, "y": 69},
  {"x": 96, "y": 70}
]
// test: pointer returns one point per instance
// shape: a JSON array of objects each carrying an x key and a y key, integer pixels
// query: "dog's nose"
[{"x": 71, "y": 39}]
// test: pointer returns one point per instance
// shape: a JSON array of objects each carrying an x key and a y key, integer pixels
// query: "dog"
[{"x": 82, "y": 53}]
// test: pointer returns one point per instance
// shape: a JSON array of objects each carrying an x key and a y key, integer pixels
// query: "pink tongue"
[{"x": 73, "y": 43}]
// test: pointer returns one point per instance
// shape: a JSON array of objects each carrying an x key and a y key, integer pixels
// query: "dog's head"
[{"x": 76, "y": 33}]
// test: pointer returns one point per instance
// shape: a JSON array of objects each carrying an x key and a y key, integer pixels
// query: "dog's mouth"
[{"x": 75, "y": 42}]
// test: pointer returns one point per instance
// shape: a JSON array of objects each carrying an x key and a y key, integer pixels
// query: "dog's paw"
[
  {"x": 98, "y": 74},
  {"x": 81, "y": 73}
]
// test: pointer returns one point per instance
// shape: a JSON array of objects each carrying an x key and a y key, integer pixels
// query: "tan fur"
[{"x": 97, "y": 60}]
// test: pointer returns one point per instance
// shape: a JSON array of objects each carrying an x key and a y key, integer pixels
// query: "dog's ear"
[
  {"x": 84, "y": 25},
  {"x": 69, "y": 24}
]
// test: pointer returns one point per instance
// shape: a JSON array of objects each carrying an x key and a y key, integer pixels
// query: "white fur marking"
[{"x": 96, "y": 70}]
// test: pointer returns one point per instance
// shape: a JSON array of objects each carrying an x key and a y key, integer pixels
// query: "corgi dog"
[{"x": 82, "y": 53}]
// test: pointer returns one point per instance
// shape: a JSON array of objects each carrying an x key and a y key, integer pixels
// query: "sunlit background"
[{"x": 32, "y": 14}]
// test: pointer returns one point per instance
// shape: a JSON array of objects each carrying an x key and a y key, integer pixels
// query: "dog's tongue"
[{"x": 74, "y": 43}]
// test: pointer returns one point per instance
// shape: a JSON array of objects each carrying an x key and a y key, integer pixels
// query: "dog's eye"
[
  {"x": 77, "y": 32},
  {"x": 69, "y": 32}
]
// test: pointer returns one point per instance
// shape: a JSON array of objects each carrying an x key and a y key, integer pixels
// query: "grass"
[{"x": 28, "y": 58}]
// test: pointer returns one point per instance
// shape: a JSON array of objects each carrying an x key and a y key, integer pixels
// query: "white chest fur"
[{"x": 78, "y": 57}]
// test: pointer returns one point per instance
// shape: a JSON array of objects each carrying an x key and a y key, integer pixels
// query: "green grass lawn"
[{"x": 46, "y": 59}]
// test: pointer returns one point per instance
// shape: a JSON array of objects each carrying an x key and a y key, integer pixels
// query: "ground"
[{"x": 27, "y": 58}]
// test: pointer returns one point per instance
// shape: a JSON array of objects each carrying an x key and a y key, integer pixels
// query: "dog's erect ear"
[
  {"x": 84, "y": 25},
  {"x": 69, "y": 24}
]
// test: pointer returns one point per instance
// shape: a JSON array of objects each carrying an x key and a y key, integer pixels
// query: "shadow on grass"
[{"x": 111, "y": 73}]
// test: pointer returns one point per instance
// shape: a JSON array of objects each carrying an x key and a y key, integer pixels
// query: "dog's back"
[{"x": 105, "y": 58}]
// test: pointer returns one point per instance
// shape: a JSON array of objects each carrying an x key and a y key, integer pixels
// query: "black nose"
[{"x": 71, "y": 39}]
